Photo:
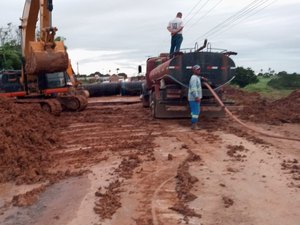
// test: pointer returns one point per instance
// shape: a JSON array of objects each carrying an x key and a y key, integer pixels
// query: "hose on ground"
[{"x": 242, "y": 123}]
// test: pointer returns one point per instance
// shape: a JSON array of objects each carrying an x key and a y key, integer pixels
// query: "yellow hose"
[{"x": 242, "y": 123}]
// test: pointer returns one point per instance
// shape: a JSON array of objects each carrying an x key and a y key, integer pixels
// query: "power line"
[
  {"x": 205, "y": 3},
  {"x": 247, "y": 17},
  {"x": 189, "y": 13},
  {"x": 229, "y": 19},
  {"x": 218, "y": 3},
  {"x": 238, "y": 15}
]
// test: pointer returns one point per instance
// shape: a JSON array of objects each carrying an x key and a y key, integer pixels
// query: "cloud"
[{"x": 103, "y": 35}]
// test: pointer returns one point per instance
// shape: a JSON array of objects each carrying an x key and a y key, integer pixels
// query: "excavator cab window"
[
  {"x": 52, "y": 80},
  {"x": 69, "y": 82},
  {"x": 56, "y": 80}
]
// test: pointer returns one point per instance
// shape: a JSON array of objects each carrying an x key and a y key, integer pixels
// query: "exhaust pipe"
[{"x": 204, "y": 45}]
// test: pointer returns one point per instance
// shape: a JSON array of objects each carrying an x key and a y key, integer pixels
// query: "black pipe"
[
  {"x": 109, "y": 89},
  {"x": 103, "y": 89},
  {"x": 133, "y": 88}
]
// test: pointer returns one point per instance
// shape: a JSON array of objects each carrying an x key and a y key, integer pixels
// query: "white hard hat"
[{"x": 196, "y": 67}]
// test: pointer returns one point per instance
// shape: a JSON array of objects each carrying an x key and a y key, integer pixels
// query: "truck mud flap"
[
  {"x": 168, "y": 111},
  {"x": 212, "y": 111}
]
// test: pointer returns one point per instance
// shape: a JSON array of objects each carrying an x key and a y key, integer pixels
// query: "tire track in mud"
[
  {"x": 151, "y": 192},
  {"x": 143, "y": 190},
  {"x": 116, "y": 134},
  {"x": 162, "y": 189},
  {"x": 240, "y": 176},
  {"x": 146, "y": 158},
  {"x": 155, "y": 198},
  {"x": 109, "y": 135},
  {"x": 94, "y": 136}
]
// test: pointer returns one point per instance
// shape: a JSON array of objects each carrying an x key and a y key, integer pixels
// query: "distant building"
[
  {"x": 114, "y": 78},
  {"x": 104, "y": 78},
  {"x": 137, "y": 78},
  {"x": 123, "y": 76}
]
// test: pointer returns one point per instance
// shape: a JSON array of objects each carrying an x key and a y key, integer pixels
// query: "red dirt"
[
  {"x": 185, "y": 182},
  {"x": 108, "y": 202},
  {"x": 235, "y": 151},
  {"x": 42, "y": 148},
  {"x": 261, "y": 110},
  {"x": 29, "y": 197},
  {"x": 27, "y": 139}
]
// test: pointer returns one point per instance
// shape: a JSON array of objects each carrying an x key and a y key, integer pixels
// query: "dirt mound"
[
  {"x": 241, "y": 97},
  {"x": 261, "y": 110},
  {"x": 27, "y": 135},
  {"x": 289, "y": 107}
]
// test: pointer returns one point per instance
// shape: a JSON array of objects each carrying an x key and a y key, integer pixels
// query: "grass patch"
[{"x": 265, "y": 90}]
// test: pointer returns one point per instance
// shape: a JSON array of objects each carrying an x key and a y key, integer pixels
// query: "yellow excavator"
[{"x": 44, "y": 78}]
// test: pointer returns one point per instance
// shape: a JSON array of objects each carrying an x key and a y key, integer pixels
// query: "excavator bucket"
[{"x": 50, "y": 60}]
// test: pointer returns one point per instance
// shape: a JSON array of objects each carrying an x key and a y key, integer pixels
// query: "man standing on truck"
[
  {"x": 175, "y": 28},
  {"x": 195, "y": 95}
]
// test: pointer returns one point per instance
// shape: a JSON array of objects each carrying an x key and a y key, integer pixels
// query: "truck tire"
[
  {"x": 153, "y": 102},
  {"x": 145, "y": 100}
]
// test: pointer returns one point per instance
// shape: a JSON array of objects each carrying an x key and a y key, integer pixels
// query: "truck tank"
[
  {"x": 218, "y": 68},
  {"x": 167, "y": 79}
]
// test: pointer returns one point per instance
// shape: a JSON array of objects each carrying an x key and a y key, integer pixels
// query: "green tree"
[
  {"x": 285, "y": 81},
  {"x": 244, "y": 77},
  {"x": 10, "y": 48},
  {"x": 282, "y": 73},
  {"x": 10, "y": 57}
]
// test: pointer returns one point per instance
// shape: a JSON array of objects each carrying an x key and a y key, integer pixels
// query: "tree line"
[
  {"x": 11, "y": 59},
  {"x": 281, "y": 80}
]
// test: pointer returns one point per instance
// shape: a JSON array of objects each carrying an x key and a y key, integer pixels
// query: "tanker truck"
[{"x": 165, "y": 89}]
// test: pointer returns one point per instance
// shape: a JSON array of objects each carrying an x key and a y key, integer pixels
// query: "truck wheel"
[
  {"x": 145, "y": 100},
  {"x": 153, "y": 103}
]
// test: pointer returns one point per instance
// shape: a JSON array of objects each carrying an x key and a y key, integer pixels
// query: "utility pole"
[{"x": 77, "y": 68}]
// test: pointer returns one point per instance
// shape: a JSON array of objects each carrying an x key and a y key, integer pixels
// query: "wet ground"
[{"x": 114, "y": 164}]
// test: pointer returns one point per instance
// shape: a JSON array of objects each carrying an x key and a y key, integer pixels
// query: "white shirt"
[{"x": 175, "y": 25}]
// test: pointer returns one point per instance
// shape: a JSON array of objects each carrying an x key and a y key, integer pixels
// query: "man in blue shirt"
[{"x": 195, "y": 95}]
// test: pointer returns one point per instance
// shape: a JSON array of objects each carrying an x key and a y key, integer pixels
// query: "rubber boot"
[{"x": 195, "y": 126}]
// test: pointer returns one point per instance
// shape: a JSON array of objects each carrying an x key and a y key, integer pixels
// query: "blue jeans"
[
  {"x": 176, "y": 41},
  {"x": 195, "y": 110}
]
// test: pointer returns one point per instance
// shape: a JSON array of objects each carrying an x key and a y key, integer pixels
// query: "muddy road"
[{"x": 114, "y": 164}]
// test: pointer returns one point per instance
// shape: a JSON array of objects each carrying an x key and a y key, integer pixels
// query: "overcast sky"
[{"x": 106, "y": 35}]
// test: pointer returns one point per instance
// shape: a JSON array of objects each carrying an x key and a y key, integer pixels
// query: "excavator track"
[
  {"x": 52, "y": 106},
  {"x": 73, "y": 102},
  {"x": 83, "y": 102}
]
